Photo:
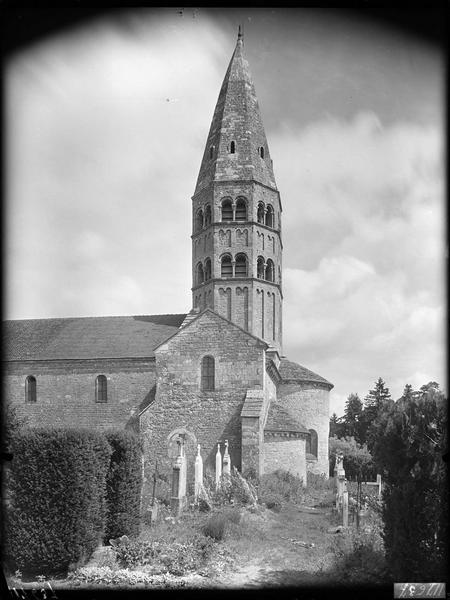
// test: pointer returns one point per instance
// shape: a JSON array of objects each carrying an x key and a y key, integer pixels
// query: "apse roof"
[
  {"x": 291, "y": 371},
  {"x": 279, "y": 419}
]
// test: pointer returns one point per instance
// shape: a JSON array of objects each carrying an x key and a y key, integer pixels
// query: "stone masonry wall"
[
  {"x": 284, "y": 453},
  {"x": 209, "y": 416},
  {"x": 308, "y": 402},
  {"x": 66, "y": 391}
]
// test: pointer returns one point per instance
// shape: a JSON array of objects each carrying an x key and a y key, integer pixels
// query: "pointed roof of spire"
[{"x": 236, "y": 118}]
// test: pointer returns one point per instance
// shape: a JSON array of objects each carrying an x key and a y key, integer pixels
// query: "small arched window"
[
  {"x": 241, "y": 210},
  {"x": 269, "y": 216},
  {"x": 261, "y": 213},
  {"x": 240, "y": 269},
  {"x": 261, "y": 151},
  {"x": 207, "y": 269},
  {"x": 200, "y": 273},
  {"x": 260, "y": 267},
  {"x": 207, "y": 373},
  {"x": 232, "y": 147},
  {"x": 30, "y": 389},
  {"x": 270, "y": 270},
  {"x": 226, "y": 268},
  {"x": 227, "y": 211},
  {"x": 199, "y": 220},
  {"x": 312, "y": 443},
  {"x": 208, "y": 215},
  {"x": 211, "y": 152},
  {"x": 101, "y": 394}
]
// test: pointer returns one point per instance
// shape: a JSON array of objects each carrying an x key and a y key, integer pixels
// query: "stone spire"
[
  {"x": 236, "y": 136},
  {"x": 236, "y": 214}
]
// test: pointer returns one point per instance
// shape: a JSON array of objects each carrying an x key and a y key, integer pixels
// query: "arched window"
[
  {"x": 269, "y": 216},
  {"x": 311, "y": 443},
  {"x": 260, "y": 267},
  {"x": 30, "y": 389},
  {"x": 211, "y": 152},
  {"x": 200, "y": 273},
  {"x": 240, "y": 269},
  {"x": 261, "y": 213},
  {"x": 227, "y": 211},
  {"x": 241, "y": 210},
  {"x": 261, "y": 151},
  {"x": 207, "y": 374},
  {"x": 199, "y": 220},
  {"x": 226, "y": 268},
  {"x": 101, "y": 394},
  {"x": 270, "y": 270},
  {"x": 208, "y": 215},
  {"x": 232, "y": 147},
  {"x": 207, "y": 269}
]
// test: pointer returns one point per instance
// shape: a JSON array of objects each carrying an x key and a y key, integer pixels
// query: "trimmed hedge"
[
  {"x": 123, "y": 485},
  {"x": 57, "y": 511}
]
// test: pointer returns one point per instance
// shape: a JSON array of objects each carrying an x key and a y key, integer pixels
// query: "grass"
[{"x": 237, "y": 533}]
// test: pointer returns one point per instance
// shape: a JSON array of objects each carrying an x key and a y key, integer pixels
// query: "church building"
[{"x": 216, "y": 373}]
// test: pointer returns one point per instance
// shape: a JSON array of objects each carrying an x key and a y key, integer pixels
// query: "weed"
[
  {"x": 279, "y": 487},
  {"x": 219, "y": 522},
  {"x": 215, "y": 527},
  {"x": 108, "y": 576},
  {"x": 165, "y": 554},
  {"x": 233, "y": 489},
  {"x": 360, "y": 556}
]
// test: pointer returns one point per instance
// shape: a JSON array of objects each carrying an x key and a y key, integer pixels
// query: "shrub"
[
  {"x": 411, "y": 438},
  {"x": 123, "y": 485},
  {"x": 279, "y": 487},
  {"x": 57, "y": 509},
  {"x": 233, "y": 489},
  {"x": 215, "y": 527},
  {"x": 362, "y": 561}
]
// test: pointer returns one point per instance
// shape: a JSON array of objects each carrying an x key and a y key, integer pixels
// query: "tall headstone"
[
  {"x": 340, "y": 479},
  {"x": 226, "y": 460},
  {"x": 179, "y": 481},
  {"x": 198, "y": 473},
  {"x": 218, "y": 465},
  {"x": 345, "y": 509}
]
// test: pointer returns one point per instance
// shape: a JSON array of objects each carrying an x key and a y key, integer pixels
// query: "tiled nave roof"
[{"x": 87, "y": 337}]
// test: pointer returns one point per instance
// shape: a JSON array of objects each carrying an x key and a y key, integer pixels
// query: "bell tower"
[{"x": 236, "y": 214}]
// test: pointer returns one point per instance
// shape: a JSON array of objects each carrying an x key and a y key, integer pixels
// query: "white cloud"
[{"x": 363, "y": 283}]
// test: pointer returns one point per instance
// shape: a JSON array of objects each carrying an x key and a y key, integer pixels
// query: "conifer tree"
[
  {"x": 352, "y": 417},
  {"x": 408, "y": 392},
  {"x": 376, "y": 401},
  {"x": 336, "y": 426}
]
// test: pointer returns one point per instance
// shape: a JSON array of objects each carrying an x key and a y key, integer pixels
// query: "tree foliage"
[
  {"x": 410, "y": 437},
  {"x": 353, "y": 417},
  {"x": 377, "y": 401},
  {"x": 123, "y": 485},
  {"x": 56, "y": 498},
  {"x": 12, "y": 423},
  {"x": 337, "y": 426},
  {"x": 357, "y": 459}
]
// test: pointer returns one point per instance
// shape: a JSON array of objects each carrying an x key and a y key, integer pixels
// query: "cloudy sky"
[{"x": 106, "y": 126}]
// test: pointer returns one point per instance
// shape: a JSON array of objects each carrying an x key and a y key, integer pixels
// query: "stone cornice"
[
  {"x": 252, "y": 182},
  {"x": 323, "y": 384},
  {"x": 236, "y": 280},
  {"x": 273, "y": 372},
  {"x": 285, "y": 434},
  {"x": 237, "y": 225}
]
